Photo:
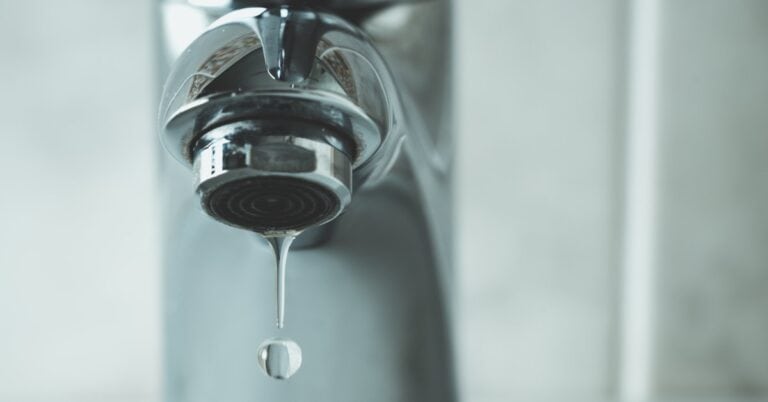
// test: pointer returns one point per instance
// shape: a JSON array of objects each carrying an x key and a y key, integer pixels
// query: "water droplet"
[{"x": 280, "y": 358}]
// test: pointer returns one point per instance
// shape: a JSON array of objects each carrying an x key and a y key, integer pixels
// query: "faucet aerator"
[{"x": 271, "y": 184}]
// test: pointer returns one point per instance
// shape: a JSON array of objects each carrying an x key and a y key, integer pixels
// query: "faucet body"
[{"x": 346, "y": 112}]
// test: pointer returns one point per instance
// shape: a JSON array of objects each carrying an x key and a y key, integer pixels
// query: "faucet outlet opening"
[{"x": 271, "y": 204}]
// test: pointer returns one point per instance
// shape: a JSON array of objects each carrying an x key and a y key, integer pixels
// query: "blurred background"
[{"x": 612, "y": 188}]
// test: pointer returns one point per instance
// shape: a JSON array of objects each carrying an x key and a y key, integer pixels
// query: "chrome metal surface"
[
  {"x": 271, "y": 183},
  {"x": 314, "y": 102},
  {"x": 275, "y": 67},
  {"x": 258, "y": 63}
]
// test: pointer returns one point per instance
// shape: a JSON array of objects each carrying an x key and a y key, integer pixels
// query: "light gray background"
[
  {"x": 79, "y": 276},
  {"x": 540, "y": 110}
]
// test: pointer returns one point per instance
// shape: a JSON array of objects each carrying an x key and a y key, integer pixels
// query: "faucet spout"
[
  {"x": 289, "y": 39},
  {"x": 290, "y": 106},
  {"x": 291, "y": 119}
]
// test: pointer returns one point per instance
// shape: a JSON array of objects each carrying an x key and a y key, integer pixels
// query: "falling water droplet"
[
  {"x": 280, "y": 358},
  {"x": 280, "y": 246}
]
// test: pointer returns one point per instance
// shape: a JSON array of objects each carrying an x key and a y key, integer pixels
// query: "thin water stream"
[
  {"x": 280, "y": 358},
  {"x": 280, "y": 246}
]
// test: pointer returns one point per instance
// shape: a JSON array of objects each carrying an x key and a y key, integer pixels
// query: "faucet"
[{"x": 328, "y": 119}]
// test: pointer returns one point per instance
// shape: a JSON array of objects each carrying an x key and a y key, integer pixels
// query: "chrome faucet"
[{"x": 292, "y": 118}]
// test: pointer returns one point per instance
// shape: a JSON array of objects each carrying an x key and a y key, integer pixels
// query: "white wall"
[
  {"x": 545, "y": 104},
  {"x": 539, "y": 102},
  {"x": 78, "y": 234}
]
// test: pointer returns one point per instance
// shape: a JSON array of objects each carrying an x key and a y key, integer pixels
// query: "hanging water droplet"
[{"x": 280, "y": 358}]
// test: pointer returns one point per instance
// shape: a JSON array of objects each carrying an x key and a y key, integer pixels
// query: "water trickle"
[
  {"x": 280, "y": 246},
  {"x": 279, "y": 358}
]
